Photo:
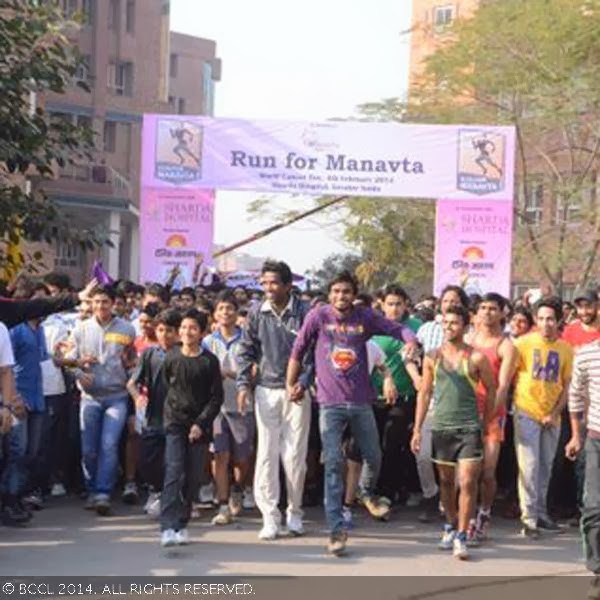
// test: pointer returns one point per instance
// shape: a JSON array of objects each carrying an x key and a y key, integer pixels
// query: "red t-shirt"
[{"x": 576, "y": 336}]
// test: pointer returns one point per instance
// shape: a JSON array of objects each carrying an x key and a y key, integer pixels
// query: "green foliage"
[{"x": 36, "y": 56}]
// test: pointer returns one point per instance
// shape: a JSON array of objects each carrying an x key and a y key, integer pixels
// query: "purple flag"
[{"x": 100, "y": 275}]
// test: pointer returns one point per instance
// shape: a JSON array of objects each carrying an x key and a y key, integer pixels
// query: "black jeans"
[
  {"x": 590, "y": 519},
  {"x": 184, "y": 463},
  {"x": 56, "y": 440}
]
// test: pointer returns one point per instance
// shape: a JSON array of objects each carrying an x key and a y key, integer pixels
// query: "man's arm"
[
  {"x": 305, "y": 342},
  {"x": 423, "y": 399},
  {"x": 215, "y": 400},
  {"x": 486, "y": 376},
  {"x": 13, "y": 312},
  {"x": 508, "y": 354},
  {"x": 379, "y": 325},
  {"x": 578, "y": 401},
  {"x": 248, "y": 353}
]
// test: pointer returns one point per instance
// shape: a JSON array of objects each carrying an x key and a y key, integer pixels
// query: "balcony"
[{"x": 93, "y": 185}]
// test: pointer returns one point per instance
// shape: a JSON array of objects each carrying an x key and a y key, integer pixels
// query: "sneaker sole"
[
  {"x": 169, "y": 544},
  {"x": 338, "y": 553},
  {"x": 461, "y": 556},
  {"x": 103, "y": 511},
  {"x": 295, "y": 533}
]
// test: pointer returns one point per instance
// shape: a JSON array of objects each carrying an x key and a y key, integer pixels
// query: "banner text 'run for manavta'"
[{"x": 329, "y": 158}]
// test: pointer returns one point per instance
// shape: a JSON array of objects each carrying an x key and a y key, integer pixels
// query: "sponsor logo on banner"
[
  {"x": 481, "y": 160},
  {"x": 178, "y": 152}
]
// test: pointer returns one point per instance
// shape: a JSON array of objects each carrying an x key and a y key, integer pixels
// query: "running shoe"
[
  {"x": 448, "y": 535},
  {"x": 472, "y": 537},
  {"x": 182, "y": 537},
  {"x": 167, "y": 538},
  {"x": 482, "y": 527},
  {"x": 58, "y": 490},
  {"x": 459, "y": 546},
  {"x": 295, "y": 526},
  {"x": 130, "y": 493},
  {"x": 223, "y": 517},
  {"x": 337, "y": 543}
]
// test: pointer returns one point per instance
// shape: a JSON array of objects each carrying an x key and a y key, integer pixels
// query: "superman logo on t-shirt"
[{"x": 343, "y": 359}]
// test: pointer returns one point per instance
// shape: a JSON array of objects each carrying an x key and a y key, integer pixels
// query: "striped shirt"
[
  {"x": 585, "y": 385},
  {"x": 431, "y": 335}
]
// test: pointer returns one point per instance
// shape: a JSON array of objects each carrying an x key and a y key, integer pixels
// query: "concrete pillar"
[
  {"x": 134, "y": 252},
  {"x": 112, "y": 254}
]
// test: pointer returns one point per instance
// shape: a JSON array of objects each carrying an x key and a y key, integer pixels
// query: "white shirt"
[
  {"x": 375, "y": 356},
  {"x": 7, "y": 358},
  {"x": 56, "y": 330}
]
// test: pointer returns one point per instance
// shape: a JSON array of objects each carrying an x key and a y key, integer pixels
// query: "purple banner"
[
  {"x": 473, "y": 243},
  {"x": 176, "y": 229},
  {"x": 329, "y": 158}
]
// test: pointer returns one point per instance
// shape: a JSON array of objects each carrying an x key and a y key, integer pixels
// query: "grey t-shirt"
[
  {"x": 226, "y": 351},
  {"x": 110, "y": 344}
]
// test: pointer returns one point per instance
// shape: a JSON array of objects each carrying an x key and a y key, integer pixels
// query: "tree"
[
  {"x": 332, "y": 265},
  {"x": 392, "y": 239},
  {"x": 36, "y": 56},
  {"x": 534, "y": 65}
]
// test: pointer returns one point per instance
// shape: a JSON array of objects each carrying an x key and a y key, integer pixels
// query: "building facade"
[
  {"x": 133, "y": 64},
  {"x": 541, "y": 219}
]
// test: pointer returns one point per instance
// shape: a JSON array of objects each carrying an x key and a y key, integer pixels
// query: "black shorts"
[{"x": 450, "y": 447}]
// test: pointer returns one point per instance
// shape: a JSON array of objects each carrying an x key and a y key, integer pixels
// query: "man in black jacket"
[{"x": 282, "y": 425}]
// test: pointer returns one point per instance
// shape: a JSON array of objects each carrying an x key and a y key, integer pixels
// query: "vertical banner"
[
  {"x": 176, "y": 227},
  {"x": 473, "y": 243}
]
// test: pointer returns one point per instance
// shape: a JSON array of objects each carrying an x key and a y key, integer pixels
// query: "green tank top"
[{"x": 455, "y": 403}]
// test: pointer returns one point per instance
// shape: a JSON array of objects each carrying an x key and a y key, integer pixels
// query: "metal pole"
[{"x": 261, "y": 234}]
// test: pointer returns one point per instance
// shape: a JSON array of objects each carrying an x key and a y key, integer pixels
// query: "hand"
[
  {"x": 573, "y": 448},
  {"x": 410, "y": 351},
  {"x": 87, "y": 360},
  {"x": 390, "y": 393},
  {"x": 243, "y": 399},
  {"x": 84, "y": 294},
  {"x": 195, "y": 434},
  {"x": 296, "y": 392},
  {"x": 86, "y": 380},
  {"x": 550, "y": 421},
  {"x": 18, "y": 408},
  {"x": 415, "y": 442},
  {"x": 6, "y": 420}
]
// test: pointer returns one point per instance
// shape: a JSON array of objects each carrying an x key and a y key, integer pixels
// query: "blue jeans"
[
  {"x": 102, "y": 423},
  {"x": 14, "y": 476},
  {"x": 590, "y": 516},
  {"x": 332, "y": 422}
]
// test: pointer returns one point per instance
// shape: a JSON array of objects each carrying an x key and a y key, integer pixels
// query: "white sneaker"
[
  {"x": 223, "y": 517},
  {"x": 295, "y": 526},
  {"x": 58, "y": 490},
  {"x": 447, "y": 541},
  {"x": 248, "y": 499},
  {"x": 152, "y": 506},
  {"x": 167, "y": 538},
  {"x": 207, "y": 494},
  {"x": 460, "y": 549},
  {"x": 269, "y": 532},
  {"x": 182, "y": 537}
]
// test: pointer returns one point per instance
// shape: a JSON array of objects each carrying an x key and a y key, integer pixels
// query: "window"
[
  {"x": 83, "y": 69},
  {"x": 88, "y": 8},
  {"x": 568, "y": 211},
  {"x": 181, "y": 106},
  {"x": 114, "y": 8},
  {"x": 172, "y": 101},
  {"x": 130, "y": 16},
  {"x": 442, "y": 17},
  {"x": 120, "y": 78},
  {"x": 533, "y": 204},
  {"x": 110, "y": 136},
  {"x": 68, "y": 254},
  {"x": 173, "y": 65}
]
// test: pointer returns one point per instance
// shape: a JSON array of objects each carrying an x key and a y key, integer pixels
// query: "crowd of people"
[{"x": 178, "y": 399}]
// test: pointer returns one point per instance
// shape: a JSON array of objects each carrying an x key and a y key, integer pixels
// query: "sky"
[{"x": 308, "y": 60}]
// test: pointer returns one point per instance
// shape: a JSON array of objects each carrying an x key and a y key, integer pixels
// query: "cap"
[{"x": 587, "y": 295}]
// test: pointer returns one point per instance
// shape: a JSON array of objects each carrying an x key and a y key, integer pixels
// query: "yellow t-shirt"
[{"x": 543, "y": 371}]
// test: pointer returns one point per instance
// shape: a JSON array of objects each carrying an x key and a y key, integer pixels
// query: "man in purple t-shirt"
[{"x": 338, "y": 332}]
